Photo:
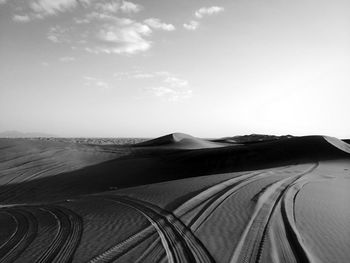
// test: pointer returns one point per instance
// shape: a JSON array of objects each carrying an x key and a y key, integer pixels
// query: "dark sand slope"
[{"x": 175, "y": 199}]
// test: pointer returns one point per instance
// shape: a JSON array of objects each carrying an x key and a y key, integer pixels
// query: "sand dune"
[
  {"x": 176, "y": 198},
  {"x": 180, "y": 141}
]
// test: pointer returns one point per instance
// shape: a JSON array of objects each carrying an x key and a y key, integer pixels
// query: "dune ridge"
[{"x": 180, "y": 141}]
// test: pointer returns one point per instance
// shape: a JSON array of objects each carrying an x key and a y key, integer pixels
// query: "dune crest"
[
  {"x": 338, "y": 143},
  {"x": 180, "y": 141}
]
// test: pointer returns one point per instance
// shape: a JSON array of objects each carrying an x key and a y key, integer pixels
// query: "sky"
[{"x": 114, "y": 68}]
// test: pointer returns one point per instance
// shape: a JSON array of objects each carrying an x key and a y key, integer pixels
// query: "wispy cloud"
[
  {"x": 40, "y": 9},
  {"x": 107, "y": 34},
  {"x": 161, "y": 84},
  {"x": 172, "y": 88},
  {"x": 135, "y": 74},
  {"x": 157, "y": 24},
  {"x": 21, "y": 18},
  {"x": 118, "y": 6},
  {"x": 170, "y": 94},
  {"x": 67, "y": 59},
  {"x": 44, "y": 8},
  {"x": 200, "y": 13},
  {"x": 129, "y": 7},
  {"x": 143, "y": 76},
  {"x": 205, "y": 11},
  {"x": 138, "y": 74},
  {"x": 100, "y": 26},
  {"x": 96, "y": 82},
  {"x": 176, "y": 82},
  {"x": 192, "y": 25},
  {"x": 58, "y": 34},
  {"x": 123, "y": 35}
]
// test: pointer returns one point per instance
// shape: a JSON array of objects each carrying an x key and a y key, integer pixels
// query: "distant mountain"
[{"x": 17, "y": 134}]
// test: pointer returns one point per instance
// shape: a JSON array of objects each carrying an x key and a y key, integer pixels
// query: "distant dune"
[
  {"x": 176, "y": 198},
  {"x": 180, "y": 141},
  {"x": 17, "y": 134}
]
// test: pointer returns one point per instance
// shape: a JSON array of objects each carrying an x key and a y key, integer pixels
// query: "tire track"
[
  {"x": 13, "y": 233},
  {"x": 250, "y": 246},
  {"x": 214, "y": 200},
  {"x": 153, "y": 253},
  {"x": 294, "y": 238},
  {"x": 67, "y": 238},
  {"x": 124, "y": 246},
  {"x": 214, "y": 194},
  {"x": 178, "y": 241},
  {"x": 27, "y": 227}
]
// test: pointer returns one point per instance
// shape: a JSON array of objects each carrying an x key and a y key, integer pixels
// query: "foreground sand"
[{"x": 175, "y": 199}]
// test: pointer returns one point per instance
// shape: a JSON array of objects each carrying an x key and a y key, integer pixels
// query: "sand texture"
[{"x": 176, "y": 198}]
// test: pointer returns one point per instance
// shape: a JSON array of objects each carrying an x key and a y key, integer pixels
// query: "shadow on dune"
[{"x": 159, "y": 165}]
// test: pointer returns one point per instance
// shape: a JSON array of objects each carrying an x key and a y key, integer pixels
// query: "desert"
[{"x": 176, "y": 198}]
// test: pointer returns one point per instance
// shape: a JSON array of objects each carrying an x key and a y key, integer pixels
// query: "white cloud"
[
  {"x": 112, "y": 7},
  {"x": 52, "y": 7},
  {"x": 39, "y": 9},
  {"x": 21, "y": 18},
  {"x": 161, "y": 84},
  {"x": 157, "y": 24},
  {"x": 102, "y": 84},
  {"x": 122, "y": 75},
  {"x": 81, "y": 20},
  {"x": 171, "y": 87},
  {"x": 67, "y": 59},
  {"x": 137, "y": 74},
  {"x": 96, "y": 82},
  {"x": 162, "y": 91},
  {"x": 208, "y": 11},
  {"x": 192, "y": 25},
  {"x": 89, "y": 79},
  {"x": 123, "y": 36},
  {"x": 170, "y": 94},
  {"x": 143, "y": 76},
  {"x": 57, "y": 34},
  {"x": 110, "y": 30},
  {"x": 129, "y": 7},
  {"x": 176, "y": 82},
  {"x": 113, "y": 34},
  {"x": 116, "y": 6}
]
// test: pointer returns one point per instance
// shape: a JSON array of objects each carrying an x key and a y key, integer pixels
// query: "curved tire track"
[
  {"x": 67, "y": 239},
  {"x": 288, "y": 215},
  {"x": 27, "y": 227},
  {"x": 13, "y": 232},
  {"x": 124, "y": 246},
  {"x": 178, "y": 241},
  {"x": 212, "y": 196},
  {"x": 251, "y": 244}
]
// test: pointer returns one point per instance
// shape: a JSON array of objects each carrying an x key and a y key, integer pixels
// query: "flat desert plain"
[{"x": 176, "y": 198}]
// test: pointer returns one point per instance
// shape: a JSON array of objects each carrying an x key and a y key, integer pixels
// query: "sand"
[{"x": 176, "y": 198}]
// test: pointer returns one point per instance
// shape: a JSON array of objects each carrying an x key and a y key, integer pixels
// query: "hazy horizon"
[{"x": 104, "y": 68}]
